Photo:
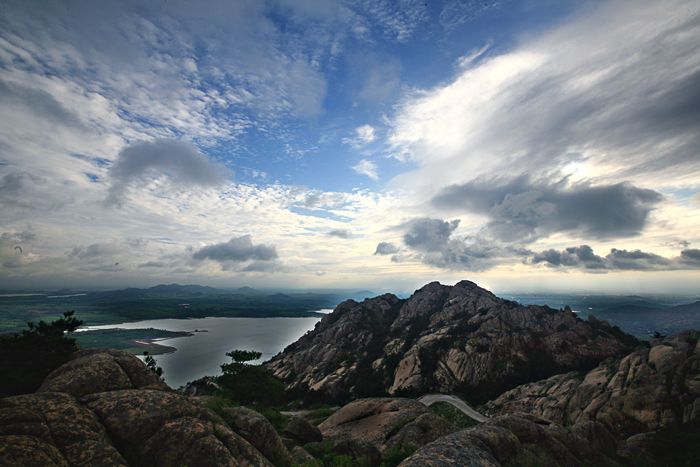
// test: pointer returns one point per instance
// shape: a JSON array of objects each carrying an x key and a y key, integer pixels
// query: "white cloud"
[
  {"x": 368, "y": 168},
  {"x": 624, "y": 112},
  {"x": 363, "y": 135}
]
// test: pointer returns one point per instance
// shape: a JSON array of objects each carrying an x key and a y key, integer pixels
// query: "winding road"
[{"x": 459, "y": 404}]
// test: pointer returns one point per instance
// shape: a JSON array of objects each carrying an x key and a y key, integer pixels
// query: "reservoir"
[{"x": 202, "y": 353}]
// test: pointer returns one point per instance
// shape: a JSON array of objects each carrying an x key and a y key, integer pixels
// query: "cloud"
[
  {"x": 520, "y": 209},
  {"x": 180, "y": 161},
  {"x": 458, "y": 12},
  {"x": 583, "y": 257},
  {"x": 363, "y": 136},
  {"x": 636, "y": 260},
  {"x": 432, "y": 242},
  {"x": 429, "y": 234},
  {"x": 340, "y": 233},
  {"x": 95, "y": 251},
  {"x": 386, "y": 248},
  {"x": 579, "y": 256},
  {"x": 397, "y": 20},
  {"x": 565, "y": 95},
  {"x": 24, "y": 191},
  {"x": 236, "y": 250},
  {"x": 691, "y": 256},
  {"x": 368, "y": 168}
]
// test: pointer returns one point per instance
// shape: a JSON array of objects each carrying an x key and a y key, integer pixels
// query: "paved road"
[{"x": 430, "y": 399}]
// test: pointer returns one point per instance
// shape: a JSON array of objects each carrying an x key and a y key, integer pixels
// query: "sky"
[{"x": 525, "y": 145}]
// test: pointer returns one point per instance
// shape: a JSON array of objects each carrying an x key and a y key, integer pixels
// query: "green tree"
[
  {"x": 26, "y": 358},
  {"x": 246, "y": 383}
]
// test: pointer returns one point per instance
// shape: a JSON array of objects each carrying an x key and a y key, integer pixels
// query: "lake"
[{"x": 203, "y": 353}]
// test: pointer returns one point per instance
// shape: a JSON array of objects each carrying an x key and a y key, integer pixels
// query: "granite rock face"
[
  {"x": 510, "y": 440},
  {"x": 108, "y": 408},
  {"x": 443, "y": 339},
  {"x": 650, "y": 388}
]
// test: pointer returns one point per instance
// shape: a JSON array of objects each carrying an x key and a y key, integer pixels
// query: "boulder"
[
  {"x": 509, "y": 440},
  {"x": 371, "y": 420},
  {"x": 202, "y": 387},
  {"x": 258, "y": 431},
  {"x": 302, "y": 431},
  {"x": 384, "y": 423},
  {"x": 97, "y": 370}
]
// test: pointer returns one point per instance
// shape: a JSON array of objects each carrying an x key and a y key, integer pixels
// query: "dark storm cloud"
[
  {"x": 238, "y": 249},
  {"x": 429, "y": 234},
  {"x": 521, "y": 209},
  {"x": 340, "y": 233},
  {"x": 179, "y": 160},
  {"x": 386, "y": 248},
  {"x": 583, "y": 257}
]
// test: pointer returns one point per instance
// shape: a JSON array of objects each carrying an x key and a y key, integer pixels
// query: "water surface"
[{"x": 203, "y": 353}]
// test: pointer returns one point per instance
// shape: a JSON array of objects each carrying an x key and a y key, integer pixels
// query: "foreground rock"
[
  {"x": 383, "y": 423},
  {"x": 649, "y": 389},
  {"x": 108, "y": 408},
  {"x": 511, "y": 440},
  {"x": 94, "y": 370},
  {"x": 442, "y": 339}
]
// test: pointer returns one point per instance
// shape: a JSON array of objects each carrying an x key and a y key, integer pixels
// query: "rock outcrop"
[
  {"x": 445, "y": 339},
  {"x": 649, "y": 389},
  {"x": 108, "y": 408},
  {"x": 511, "y": 440}
]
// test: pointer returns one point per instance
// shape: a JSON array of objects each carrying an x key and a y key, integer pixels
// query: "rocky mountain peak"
[{"x": 443, "y": 338}]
